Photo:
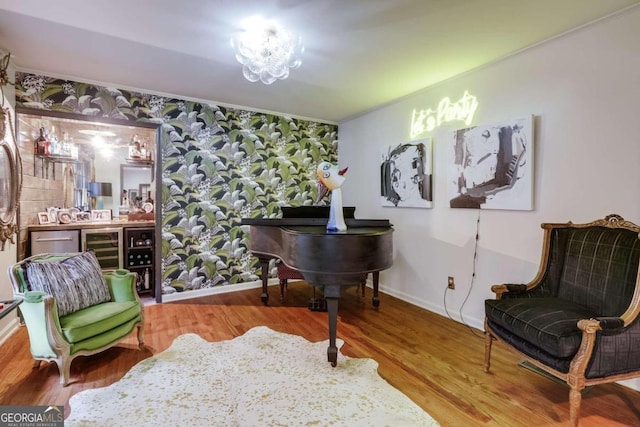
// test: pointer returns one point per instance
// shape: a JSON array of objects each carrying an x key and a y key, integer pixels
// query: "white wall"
[
  {"x": 9, "y": 255},
  {"x": 584, "y": 90}
]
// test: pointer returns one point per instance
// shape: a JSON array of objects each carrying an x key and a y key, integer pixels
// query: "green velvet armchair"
[
  {"x": 578, "y": 319},
  {"x": 71, "y": 308}
]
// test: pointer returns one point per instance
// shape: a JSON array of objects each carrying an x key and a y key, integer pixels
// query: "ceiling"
[{"x": 359, "y": 54}]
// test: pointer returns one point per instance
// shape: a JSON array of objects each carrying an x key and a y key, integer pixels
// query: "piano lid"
[
  {"x": 284, "y": 222},
  {"x": 314, "y": 216}
]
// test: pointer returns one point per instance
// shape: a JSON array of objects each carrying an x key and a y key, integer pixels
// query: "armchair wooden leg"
[
  {"x": 283, "y": 288},
  {"x": 488, "y": 340},
  {"x": 64, "y": 366},
  {"x": 575, "y": 398}
]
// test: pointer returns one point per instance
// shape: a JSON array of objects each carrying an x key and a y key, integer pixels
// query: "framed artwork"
[
  {"x": 82, "y": 216},
  {"x": 491, "y": 166},
  {"x": 43, "y": 218},
  {"x": 101, "y": 215},
  {"x": 406, "y": 175}
]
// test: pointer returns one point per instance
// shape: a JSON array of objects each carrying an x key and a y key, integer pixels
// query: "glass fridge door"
[{"x": 106, "y": 243}]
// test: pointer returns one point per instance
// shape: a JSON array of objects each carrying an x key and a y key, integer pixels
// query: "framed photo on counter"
[
  {"x": 53, "y": 215},
  {"x": 43, "y": 218},
  {"x": 101, "y": 215},
  {"x": 64, "y": 217},
  {"x": 83, "y": 216}
]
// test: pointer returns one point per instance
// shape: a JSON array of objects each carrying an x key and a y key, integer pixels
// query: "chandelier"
[{"x": 267, "y": 51}]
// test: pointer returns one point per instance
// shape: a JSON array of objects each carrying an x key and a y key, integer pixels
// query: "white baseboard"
[
  {"x": 11, "y": 327},
  {"x": 178, "y": 296},
  {"x": 453, "y": 315}
]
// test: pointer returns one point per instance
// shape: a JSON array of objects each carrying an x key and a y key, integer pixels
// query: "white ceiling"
[{"x": 359, "y": 54}]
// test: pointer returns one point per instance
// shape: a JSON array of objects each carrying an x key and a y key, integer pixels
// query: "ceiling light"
[
  {"x": 106, "y": 151},
  {"x": 266, "y": 50},
  {"x": 98, "y": 140}
]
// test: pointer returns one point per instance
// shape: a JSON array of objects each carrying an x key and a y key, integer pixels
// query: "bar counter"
[{"x": 91, "y": 225}]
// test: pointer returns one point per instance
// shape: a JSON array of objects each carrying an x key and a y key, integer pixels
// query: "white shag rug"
[{"x": 262, "y": 378}]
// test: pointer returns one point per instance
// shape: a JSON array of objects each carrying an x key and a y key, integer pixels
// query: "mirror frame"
[{"x": 8, "y": 227}]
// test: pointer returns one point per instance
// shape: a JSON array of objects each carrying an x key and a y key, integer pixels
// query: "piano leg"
[
  {"x": 264, "y": 267},
  {"x": 331, "y": 295},
  {"x": 375, "y": 300},
  {"x": 283, "y": 288}
]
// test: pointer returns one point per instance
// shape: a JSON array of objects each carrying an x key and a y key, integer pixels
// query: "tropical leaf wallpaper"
[{"x": 219, "y": 165}]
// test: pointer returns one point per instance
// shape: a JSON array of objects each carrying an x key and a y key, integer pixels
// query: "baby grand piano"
[{"x": 327, "y": 260}]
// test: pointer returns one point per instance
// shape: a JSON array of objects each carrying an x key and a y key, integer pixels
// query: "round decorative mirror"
[
  {"x": 6, "y": 189},
  {"x": 10, "y": 165},
  {"x": 10, "y": 186}
]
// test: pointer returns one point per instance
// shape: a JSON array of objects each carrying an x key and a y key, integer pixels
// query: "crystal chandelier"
[{"x": 267, "y": 51}]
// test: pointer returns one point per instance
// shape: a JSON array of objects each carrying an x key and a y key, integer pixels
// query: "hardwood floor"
[{"x": 435, "y": 361}]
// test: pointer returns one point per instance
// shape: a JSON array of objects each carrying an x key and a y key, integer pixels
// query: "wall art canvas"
[
  {"x": 406, "y": 175},
  {"x": 491, "y": 166}
]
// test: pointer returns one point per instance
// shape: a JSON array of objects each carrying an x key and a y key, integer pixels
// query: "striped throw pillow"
[{"x": 75, "y": 283}]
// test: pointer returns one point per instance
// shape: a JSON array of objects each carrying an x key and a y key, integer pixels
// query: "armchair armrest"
[
  {"x": 40, "y": 315},
  {"x": 514, "y": 288},
  {"x": 610, "y": 323},
  {"x": 591, "y": 326},
  {"x": 122, "y": 285}
]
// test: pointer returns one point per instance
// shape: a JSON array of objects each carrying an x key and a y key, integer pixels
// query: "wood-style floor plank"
[{"x": 435, "y": 361}]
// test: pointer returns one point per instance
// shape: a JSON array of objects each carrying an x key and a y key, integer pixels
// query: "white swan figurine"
[{"x": 331, "y": 178}]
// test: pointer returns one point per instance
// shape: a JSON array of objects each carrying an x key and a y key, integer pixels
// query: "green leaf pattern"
[{"x": 219, "y": 165}]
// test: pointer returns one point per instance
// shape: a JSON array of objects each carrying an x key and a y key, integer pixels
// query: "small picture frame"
[
  {"x": 64, "y": 217},
  {"x": 43, "y": 218},
  {"x": 101, "y": 215},
  {"x": 82, "y": 216},
  {"x": 73, "y": 212},
  {"x": 53, "y": 215}
]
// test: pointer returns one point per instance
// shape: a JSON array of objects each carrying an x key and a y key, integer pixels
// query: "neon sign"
[{"x": 427, "y": 120}]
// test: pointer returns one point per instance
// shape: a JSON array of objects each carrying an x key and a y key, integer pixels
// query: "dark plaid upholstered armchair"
[{"x": 578, "y": 319}]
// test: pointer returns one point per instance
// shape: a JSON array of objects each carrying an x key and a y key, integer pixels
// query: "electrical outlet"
[{"x": 451, "y": 284}]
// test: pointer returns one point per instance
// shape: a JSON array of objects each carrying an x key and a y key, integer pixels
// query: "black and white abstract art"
[
  {"x": 406, "y": 174},
  {"x": 491, "y": 167}
]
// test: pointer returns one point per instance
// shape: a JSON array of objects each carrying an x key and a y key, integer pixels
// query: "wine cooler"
[
  {"x": 138, "y": 255},
  {"x": 106, "y": 243}
]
